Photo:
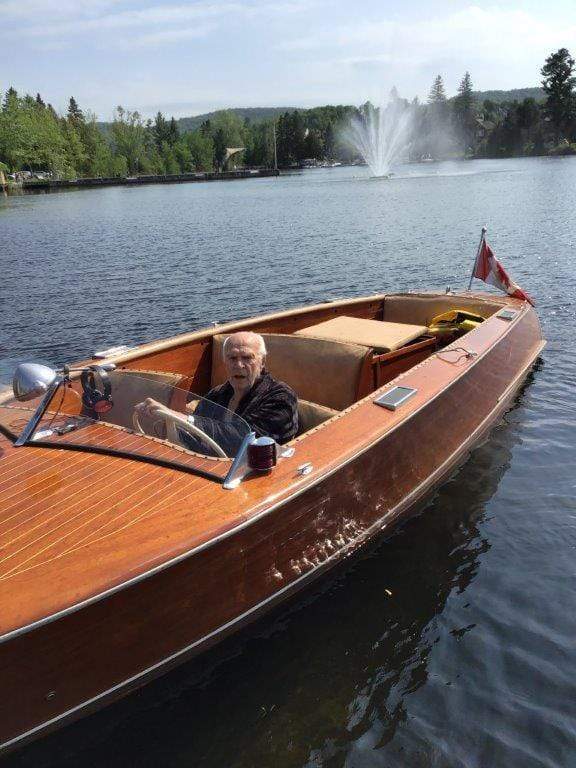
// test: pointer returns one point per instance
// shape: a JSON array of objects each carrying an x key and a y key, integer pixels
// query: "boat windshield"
[{"x": 149, "y": 416}]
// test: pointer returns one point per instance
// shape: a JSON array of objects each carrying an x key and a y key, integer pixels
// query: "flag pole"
[{"x": 482, "y": 238}]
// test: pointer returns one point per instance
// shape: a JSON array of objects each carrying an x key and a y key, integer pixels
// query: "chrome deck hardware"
[{"x": 395, "y": 397}]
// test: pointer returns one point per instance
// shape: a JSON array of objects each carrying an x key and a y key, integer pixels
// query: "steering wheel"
[{"x": 174, "y": 422}]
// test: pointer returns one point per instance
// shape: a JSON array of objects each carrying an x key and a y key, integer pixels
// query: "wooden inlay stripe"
[
  {"x": 147, "y": 493},
  {"x": 92, "y": 537}
]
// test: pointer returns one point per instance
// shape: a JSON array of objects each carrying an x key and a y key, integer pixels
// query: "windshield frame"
[{"x": 66, "y": 433}]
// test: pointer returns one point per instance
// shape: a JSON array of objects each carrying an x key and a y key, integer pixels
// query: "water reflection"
[{"x": 324, "y": 682}]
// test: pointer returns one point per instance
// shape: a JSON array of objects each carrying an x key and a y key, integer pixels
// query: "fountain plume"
[{"x": 381, "y": 135}]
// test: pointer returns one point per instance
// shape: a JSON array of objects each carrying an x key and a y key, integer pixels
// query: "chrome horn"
[{"x": 32, "y": 380}]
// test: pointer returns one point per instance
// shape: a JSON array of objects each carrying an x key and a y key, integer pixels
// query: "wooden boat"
[{"x": 123, "y": 554}]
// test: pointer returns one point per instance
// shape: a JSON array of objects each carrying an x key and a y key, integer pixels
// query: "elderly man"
[{"x": 269, "y": 406}]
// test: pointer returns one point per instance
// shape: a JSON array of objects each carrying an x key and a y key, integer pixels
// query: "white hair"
[{"x": 250, "y": 338}]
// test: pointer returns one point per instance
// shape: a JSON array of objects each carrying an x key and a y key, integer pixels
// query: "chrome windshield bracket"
[
  {"x": 239, "y": 468},
  {"x": 28, "y": 430}
]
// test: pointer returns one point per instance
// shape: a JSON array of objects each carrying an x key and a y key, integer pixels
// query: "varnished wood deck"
[
  {"x": 112, "y": 569},
  {"x": 74, "y": 525}
]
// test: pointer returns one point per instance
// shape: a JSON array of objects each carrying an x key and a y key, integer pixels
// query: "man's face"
[{"x": 243, "y": 365}]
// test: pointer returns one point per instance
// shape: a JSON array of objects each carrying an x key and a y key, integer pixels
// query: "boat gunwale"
[{"x": 266, "y": 509}]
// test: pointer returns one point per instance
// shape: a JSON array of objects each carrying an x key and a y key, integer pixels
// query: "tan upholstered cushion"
[
  {"x": 421, "y": 309},
  {"x": 310, "y": 415},
  {"x": 370, "y": 333},
  {"x": 325, "y": 372}
]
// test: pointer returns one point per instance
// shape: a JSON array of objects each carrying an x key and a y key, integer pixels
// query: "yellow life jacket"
[{"x": 454, "y": 320}]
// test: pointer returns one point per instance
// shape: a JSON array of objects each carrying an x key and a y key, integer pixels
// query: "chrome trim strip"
[{"x": 226, "y": 534}]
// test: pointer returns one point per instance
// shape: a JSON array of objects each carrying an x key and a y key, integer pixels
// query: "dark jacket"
[{"x": 270, "y": 408}]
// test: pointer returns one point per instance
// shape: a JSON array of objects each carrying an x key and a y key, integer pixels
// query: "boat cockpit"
[{"x": 331, "y": 355}]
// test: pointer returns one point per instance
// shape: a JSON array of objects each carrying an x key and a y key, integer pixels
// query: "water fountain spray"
[{"x": 382, "y": 134}]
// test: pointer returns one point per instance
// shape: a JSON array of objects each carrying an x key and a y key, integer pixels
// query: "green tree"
[
  {"x": 171, "y": 165},
  {"x": 464, "y": 111},
  {"x": 173, "y": 132},
  {"x": 231, "y": 126},
  {"x": 313, "y": 144},
  {"x": 201, "y": 148},
  {"x": 75, "y": 115},
  {"x": 74, "y": 148},
  {"x": 119, "y": 166},
  {"x": 161, "y": 130},
  {"x": 129, "y": 137},
  {"x": 219, "y": 147},
  {"x": 98, "y": 153},
  {"x": 10, "y": 98},
  {"x": 437, "y": 93},
  {"x": 558, "y": 84}
]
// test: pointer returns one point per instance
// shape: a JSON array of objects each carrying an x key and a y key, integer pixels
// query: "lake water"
[{"x": 470, "y": 660}]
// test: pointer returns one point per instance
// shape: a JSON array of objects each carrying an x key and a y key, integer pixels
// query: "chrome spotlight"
[{"x": 32, "y": 380}]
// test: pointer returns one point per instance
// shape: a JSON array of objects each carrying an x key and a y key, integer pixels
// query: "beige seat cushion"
[
  {"x": 322, "y": 371},
  {"x": 370, "y": 333},
  {"x": 310, "y": 415},
  {"x": 421, "y": 309}
]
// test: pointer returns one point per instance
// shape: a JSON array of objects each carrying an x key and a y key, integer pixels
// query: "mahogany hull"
[{"x": 63, "y": 668}]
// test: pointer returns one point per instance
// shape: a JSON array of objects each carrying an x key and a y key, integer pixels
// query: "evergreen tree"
[
  {"x": 465, "y": 98},
  {"x": 298, "y": 136},
  {"x": 437, "y": 93},
  {"x": 39, "y": 101},
  {"x": 558, "y": 85},
  {"x": 219, "y": 148},
  {"x": 161, "y": 130},
  {"x": 173, "y": 134},
  {"x": 313, "y": 144},
  {"x": 464, "y": 114},
  {"x": 10, "y": 98},
  {"x": 75, "y": 114}
]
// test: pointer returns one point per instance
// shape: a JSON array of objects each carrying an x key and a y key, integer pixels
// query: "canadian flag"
[{"x": 489, "y": 269}]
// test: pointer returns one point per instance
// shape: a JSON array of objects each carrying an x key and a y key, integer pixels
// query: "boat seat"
[
  {"x": 311, "y": 415},
  {"x": 136, "y": 387},
  {"x": 319, "y": 370},
  {"x": 381, "y": 336},
  {"x": 415, "y": 308}
]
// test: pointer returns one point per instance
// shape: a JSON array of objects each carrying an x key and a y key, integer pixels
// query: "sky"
[{"x": 185, "y": 57}]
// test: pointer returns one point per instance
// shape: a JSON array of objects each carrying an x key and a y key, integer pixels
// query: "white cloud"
[
  {"x": 502, "y": 48},
  {"x": 158, "y": 39},
  {"x": 33, "y": 10},
  {"x": 472, "y": 31},
  {"x": 85, "y": 16}
]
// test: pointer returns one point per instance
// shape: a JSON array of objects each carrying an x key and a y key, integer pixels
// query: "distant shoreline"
[{"x": 47, "y": 185}]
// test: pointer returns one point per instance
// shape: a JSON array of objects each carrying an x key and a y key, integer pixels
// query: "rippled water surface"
[{"x": 470, "y": 660}]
